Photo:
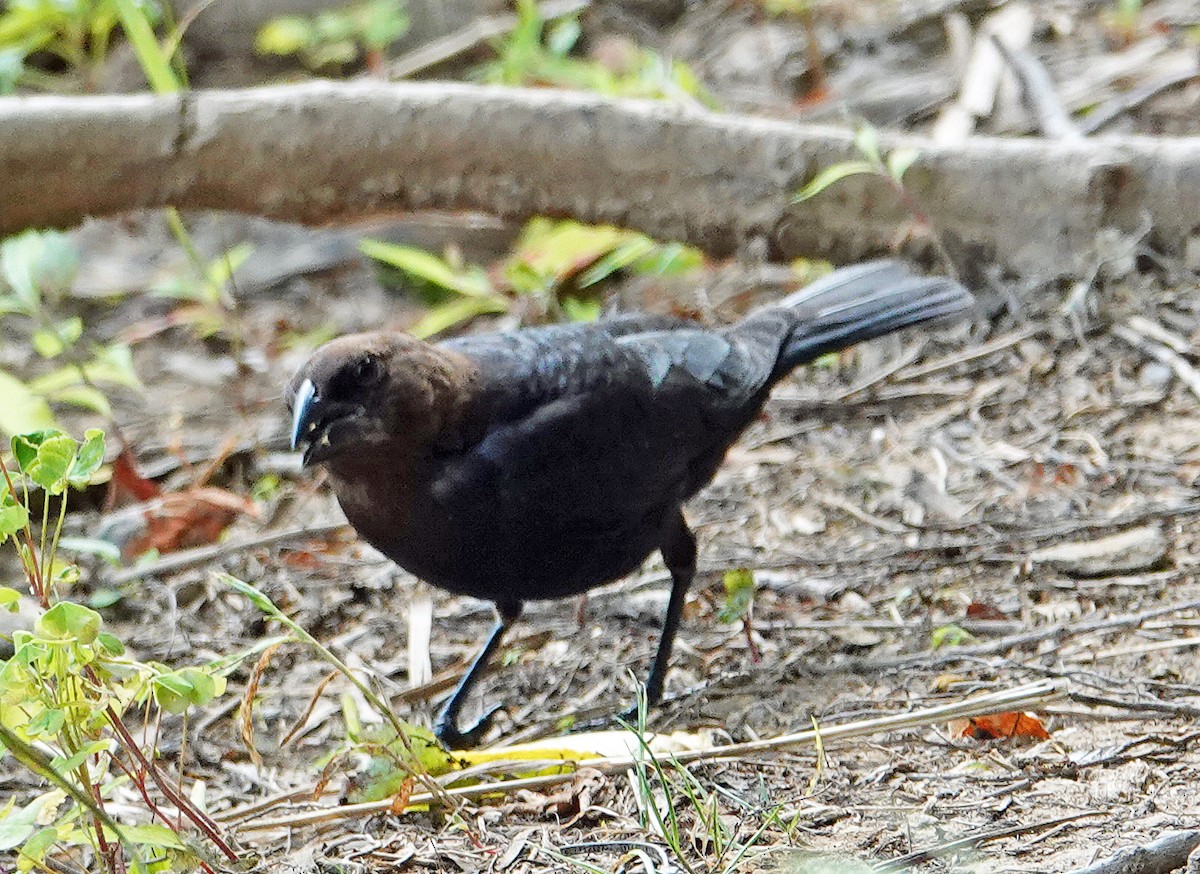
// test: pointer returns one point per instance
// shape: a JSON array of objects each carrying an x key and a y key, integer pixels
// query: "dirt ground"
[{"x": 903, "y": 490}]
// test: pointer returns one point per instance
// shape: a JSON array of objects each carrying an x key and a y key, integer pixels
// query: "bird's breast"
[{"x": 497, "y": 546}]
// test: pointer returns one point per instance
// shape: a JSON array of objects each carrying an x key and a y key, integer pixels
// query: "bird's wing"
[{"x": 612, "y": 427}]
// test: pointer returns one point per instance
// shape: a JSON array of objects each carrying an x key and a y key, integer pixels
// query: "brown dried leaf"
[
  {"x": 999, "y": 726},
  {"x": 246, "y": 708},
  {"x": 193, "y": 517}
]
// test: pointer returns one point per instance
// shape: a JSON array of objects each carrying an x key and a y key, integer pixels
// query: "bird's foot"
[{"x": 454, "y": 738}]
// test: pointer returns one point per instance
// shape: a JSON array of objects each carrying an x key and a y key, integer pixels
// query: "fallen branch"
[
  {"x": 321, "y": 151},
  {"x": 1168, "y": 853}
]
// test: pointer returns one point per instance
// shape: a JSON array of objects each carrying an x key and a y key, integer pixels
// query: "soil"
[{"x": 885, "y": 500}]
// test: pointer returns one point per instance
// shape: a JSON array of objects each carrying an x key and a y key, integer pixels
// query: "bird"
[{"x": 541, "y": 462}]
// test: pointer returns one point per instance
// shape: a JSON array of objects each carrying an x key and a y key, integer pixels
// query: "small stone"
[
  {"x": 1138, "y": 549},
  {"x": 1154, "y": 376}
]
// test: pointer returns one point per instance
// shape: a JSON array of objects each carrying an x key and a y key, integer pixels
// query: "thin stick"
[
  {"x": 1039, "y": 91},
  {"x": 1030, "y": 696},
  {"x": 919, "y": 857},
  {"x": 190, "y": 558}
]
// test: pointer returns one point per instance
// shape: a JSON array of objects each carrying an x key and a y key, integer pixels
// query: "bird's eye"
[{"x": 368, "y": 370}]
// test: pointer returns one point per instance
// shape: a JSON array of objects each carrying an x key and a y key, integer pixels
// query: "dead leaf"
[
  {"x": 126, "y": 480},
  {"x": 193, "y": 517},
  {"x": 569, "y": 802},
  {"x": 400, "y": 799},
  {"x": 984, "y": 610},
  {"x": 999, "y": 726},
  {"x": 246, "y": 707}
]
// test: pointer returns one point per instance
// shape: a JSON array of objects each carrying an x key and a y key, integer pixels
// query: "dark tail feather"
[{"x": 860, "y": 303}]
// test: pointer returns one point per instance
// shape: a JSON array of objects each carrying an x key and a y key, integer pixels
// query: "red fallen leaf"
[
  {"x": 126, "y": 480},
  {"x": 983, "y": 610},
  {"x": 193, "y": 517},
  {"x": 998, "y": 726}
]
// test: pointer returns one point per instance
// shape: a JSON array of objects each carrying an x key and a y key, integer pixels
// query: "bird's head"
[{"x": 366, "y": 390}]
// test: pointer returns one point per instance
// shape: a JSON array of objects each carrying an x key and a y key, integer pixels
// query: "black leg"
[
  {"x": 678, "y": 549},
  {"x": 446, "y": 727}
]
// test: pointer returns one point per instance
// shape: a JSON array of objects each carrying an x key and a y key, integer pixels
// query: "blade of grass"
[{"x": 155, "y": 63}]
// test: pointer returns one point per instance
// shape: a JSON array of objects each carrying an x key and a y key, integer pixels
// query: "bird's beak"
[
  {"x": 305, "y": 415},
  {"x": 323, "y": 428}
]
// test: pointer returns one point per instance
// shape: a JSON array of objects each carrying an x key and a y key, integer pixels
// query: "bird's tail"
[{"x": 860, "y": 303}]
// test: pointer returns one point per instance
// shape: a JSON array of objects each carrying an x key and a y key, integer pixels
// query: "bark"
[{"x": 324, "y": 151}]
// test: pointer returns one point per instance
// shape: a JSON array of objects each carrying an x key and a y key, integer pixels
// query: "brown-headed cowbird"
[{"x": 543, "y": 462}]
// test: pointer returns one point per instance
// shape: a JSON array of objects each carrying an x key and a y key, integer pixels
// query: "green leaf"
[
  {"x": 562, "y": 36},
  {"x": 17, "y": 825},
  {"x": 177, "y": 691},
  {"x": 381, "y": 23},
  {"x": 67, "y": 620},
  {"x": 949, "y": 635},
  {"x": 671, "y": 259},
  {"x": 831, "y": 175},
  {"x": 579, "y": 310},
  {"x": 36, "y": 263},
  {"x": 51, "y": 342},
  {"x": 65, "y": 766},
  {"x": 154, "y": 835},
  {"x": 900, "y": 160},
  {"x": 221, "y": 270},
  {"x": 88, "y": 459},
  {"x": 33, "y": 852},
  {"x": 866, "y": 140},
  {"x": 21, "y": 409},
  {"x": 257, "y": 598},
  {"x": 79, "y": 395},
  {"x": 739, "y": 594},
  {"x": 46, "y": 343},
  {"x": 47, "y": 723},
  {"x": 112, "y": 364},
  {"x": 54, "y": 458},
  {"x": 153, "y": 60},
  {"x": 428, "y": 267},
  {"x": 284, "y": 36},
  {"x": 553, "y": 250},
  {"x": 620, "y": 257},
  {"x": 10, "y": 599},
  {"x": 64, "y": 574},
  {"x": 111, "y": 644},
  {"x": 13, "y": 518},
  {"x": 25, "y": 445},
  {"x": 456, "y": 312}
]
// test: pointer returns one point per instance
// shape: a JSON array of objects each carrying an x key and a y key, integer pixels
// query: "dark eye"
[{"x": 368, "y": 370}]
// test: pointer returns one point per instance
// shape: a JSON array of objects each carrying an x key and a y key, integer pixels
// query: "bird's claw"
[{"x": 454, "y": 738}]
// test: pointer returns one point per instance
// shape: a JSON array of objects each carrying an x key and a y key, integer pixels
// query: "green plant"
[
  {"x": 67, "y": 688},
  {"x": 399, "y": 753},
  {"x": 538, "y": 52},
  {"x": 949, "y": 635},
  {"x": 336, "y": 37},
  {"x": 666, "y": 789},
  {"x": 891, "y": 168},
  {"x": 36, "y": 270},
  {"x": 209, "y": 306},
  {"x": 552, "y": 274},
  {"x": 739, "y": 604},
  {"x": 74, "y": 33},
  {"x": 873, "y": 163}
]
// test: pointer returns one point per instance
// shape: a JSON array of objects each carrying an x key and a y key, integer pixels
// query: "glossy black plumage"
[{"x": 544, "y": 462}]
